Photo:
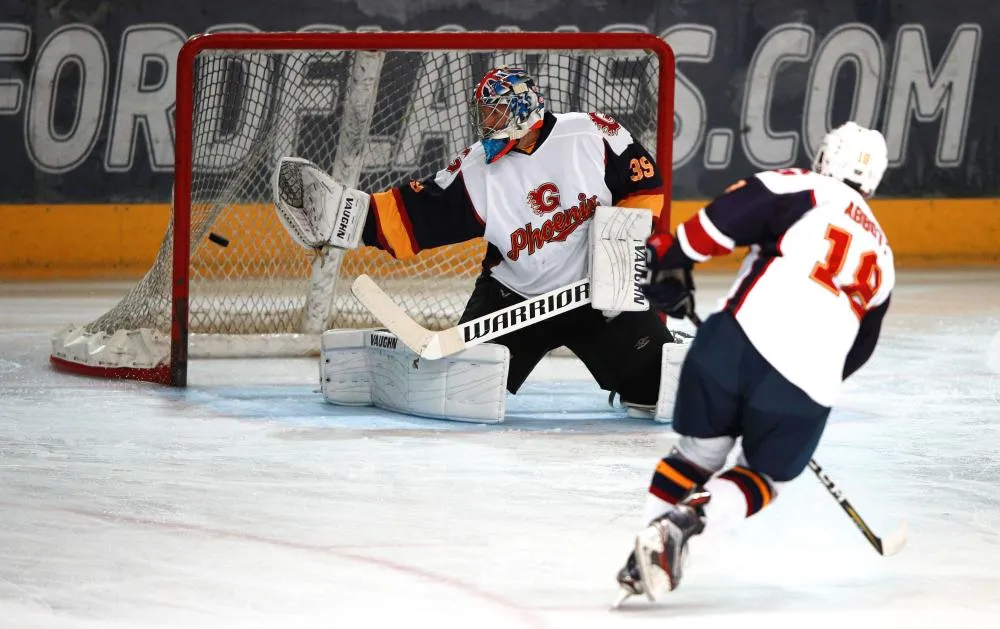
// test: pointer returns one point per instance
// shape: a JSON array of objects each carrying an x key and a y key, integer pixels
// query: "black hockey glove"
[{"x": 670, "y": 291}]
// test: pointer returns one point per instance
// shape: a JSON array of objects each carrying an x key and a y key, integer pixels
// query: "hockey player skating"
[
  {"x": 803, "y": 315},
  {"x": 531, "y": 187}
]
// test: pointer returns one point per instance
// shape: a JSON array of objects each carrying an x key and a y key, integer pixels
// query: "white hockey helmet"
[{"x": 853, "y": 154}]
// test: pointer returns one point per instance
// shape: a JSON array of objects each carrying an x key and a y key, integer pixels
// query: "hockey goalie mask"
[
  {"x": 853, "y": 154},
  {"x": 507, "y": 106}
]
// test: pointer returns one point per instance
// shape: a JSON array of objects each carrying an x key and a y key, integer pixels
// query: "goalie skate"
[{"x": 661, "y": 548}]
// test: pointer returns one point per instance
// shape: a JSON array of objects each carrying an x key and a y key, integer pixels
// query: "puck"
[{"x": 222, "y": 241}]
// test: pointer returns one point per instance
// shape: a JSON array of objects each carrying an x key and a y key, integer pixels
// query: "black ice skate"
[
  {"x": 660, "y": 548},
  {"x": 629, "y": 581}
]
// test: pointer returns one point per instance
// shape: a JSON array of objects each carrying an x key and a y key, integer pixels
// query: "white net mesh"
[{"x": 372, "y": 119}]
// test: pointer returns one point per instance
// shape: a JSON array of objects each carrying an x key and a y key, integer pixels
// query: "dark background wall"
[{"x": 758, "y": 82}]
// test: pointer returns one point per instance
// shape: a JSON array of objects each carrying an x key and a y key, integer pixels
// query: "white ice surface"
[{"x": 245, "y": 501}]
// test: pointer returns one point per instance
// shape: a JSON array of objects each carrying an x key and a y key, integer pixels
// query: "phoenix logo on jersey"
[
  {"x": 604, "y": 122},
  {"x": 543, "y": 199}
]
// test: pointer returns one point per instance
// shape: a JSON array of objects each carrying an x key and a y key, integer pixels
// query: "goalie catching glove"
[
  {"x": 316, "y": 210},
  {"x": 669, "y": 290}
]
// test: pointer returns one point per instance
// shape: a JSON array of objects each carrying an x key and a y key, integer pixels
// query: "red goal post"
[{"x": 376, "y": 109}]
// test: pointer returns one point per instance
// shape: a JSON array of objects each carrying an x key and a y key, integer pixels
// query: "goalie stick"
[
  {"x": 432, "y": 345},
  {"x": 885, "y": 547}
]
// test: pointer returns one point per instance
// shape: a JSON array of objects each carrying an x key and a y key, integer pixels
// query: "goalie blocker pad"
[
  {"x": 375, "y": 368},
  {"x": 315, "y": 209},
  {"x": 618, "y": 258}
]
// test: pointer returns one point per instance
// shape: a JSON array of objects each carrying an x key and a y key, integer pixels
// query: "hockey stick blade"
[
  {"x": 895, "y": 541},
  {"x": 433, "y": 345},
  {"x": 885, "y": 547}
]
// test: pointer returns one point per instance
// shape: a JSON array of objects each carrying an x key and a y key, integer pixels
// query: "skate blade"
[{"x": 621, "y": 597}]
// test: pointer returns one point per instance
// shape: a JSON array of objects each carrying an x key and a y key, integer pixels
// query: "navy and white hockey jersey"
[
  {"x": 533, "y": 207},
  {"x": 813, "y": 290}
]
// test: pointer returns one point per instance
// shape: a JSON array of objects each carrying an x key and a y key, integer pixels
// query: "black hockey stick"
[
  {"x": 885, "y": 547},
  {"x": 888, "y": 546}
]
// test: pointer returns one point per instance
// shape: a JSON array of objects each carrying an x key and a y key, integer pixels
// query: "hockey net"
[{"x": 375, "y": 110}]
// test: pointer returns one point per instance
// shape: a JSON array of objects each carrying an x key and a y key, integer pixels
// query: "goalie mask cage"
[{"x": 374, "y": 109}]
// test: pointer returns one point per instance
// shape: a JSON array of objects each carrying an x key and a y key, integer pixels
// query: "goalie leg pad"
[
  {"x": 618, "y": 258},
  {"x": 469, "y": 386},
  {"x": 670, "y": 373},
  {"x": 344, "y": 373}
]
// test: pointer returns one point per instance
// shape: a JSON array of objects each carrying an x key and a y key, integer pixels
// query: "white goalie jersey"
[{"x": 534, "y": 207}]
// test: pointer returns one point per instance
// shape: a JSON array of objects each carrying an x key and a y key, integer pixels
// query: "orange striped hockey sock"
[
  {"x": 757, "y": 490},
  {"x": 672, "y": 481}
]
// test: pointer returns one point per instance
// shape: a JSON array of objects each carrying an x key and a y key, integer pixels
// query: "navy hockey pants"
[{"x": 728, "y": 389}]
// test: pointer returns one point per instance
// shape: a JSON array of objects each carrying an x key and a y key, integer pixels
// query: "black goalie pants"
[{"x": 623, "y": 354}]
